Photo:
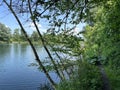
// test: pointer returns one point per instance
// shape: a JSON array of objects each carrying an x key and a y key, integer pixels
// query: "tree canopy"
[{"x": 5, "y": 33}]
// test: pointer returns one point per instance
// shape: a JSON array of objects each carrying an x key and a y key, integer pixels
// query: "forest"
[{"x": 88, "y": 60}]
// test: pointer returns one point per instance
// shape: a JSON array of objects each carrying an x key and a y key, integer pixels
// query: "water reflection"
[
  {"x": 4, "y": 51},
  {"x": 15, "y": 74}
]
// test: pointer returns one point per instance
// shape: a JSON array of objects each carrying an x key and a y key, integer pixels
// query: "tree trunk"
[
  {"x": 43, "y": 42},
  {"x": 33, "y": 48}
]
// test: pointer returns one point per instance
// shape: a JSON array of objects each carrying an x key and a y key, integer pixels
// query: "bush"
[
  {"x": 87, "y": 77},
  {"x": 114, "y": 77}
]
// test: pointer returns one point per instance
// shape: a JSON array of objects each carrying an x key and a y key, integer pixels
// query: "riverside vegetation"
[
  {"x": 88, "y": 60},
  {"x": 6, "y": 35}
]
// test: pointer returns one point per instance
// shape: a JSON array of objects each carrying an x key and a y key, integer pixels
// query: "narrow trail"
[{"x": 105, "y": 80}]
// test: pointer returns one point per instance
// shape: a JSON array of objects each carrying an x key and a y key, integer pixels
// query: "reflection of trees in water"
[
  {"x": 24, "y": 48},
  {"x": 4, "y": 51},
  {"x": 19, "y": 50}
]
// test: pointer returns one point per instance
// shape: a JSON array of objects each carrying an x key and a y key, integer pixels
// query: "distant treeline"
[{"x": 6, "y": 36}]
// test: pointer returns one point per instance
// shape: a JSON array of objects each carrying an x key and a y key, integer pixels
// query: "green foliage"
[
  {"x": 35, "y": 36},
  {"x": 16, "y": 35},
  {"x": 66, "y": 43},
  {"x": 5, "y": 33},
  {"x": 103, "y": 38},
  {"x": 86, "y": 78},
  {"x": 19, "y": 37},
  {"x": 22, "y": 36},
  {"x": 114, "y": 77}
]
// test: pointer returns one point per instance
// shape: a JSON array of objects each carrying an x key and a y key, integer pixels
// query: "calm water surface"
[{"x": 15, "y": 72}]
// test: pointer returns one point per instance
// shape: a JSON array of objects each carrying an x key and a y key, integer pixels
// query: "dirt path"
[{"x": 106, "y": 84}]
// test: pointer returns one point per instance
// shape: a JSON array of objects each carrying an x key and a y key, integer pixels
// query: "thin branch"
[
  {"x": 48, "y": 8},
  {"x": 43, "y": 42},
  {"x": 10, "y": 3},
  {"x": 33, "y": 48}
]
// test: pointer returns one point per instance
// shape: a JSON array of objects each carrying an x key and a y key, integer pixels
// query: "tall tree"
[
  {"x": 35, "y": 36},
  {"x": 103, "y": 37},
  {"x": 16, "y": 35},
  {"x": 5, "y": 33},
  {"x": 22, "y": 36}
]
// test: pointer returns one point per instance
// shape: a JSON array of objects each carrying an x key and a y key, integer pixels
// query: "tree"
[
  {"x": 35, "y": 36},
  {"x": 22, "y": 36},
  {"x": 5, "y": 33},
  {"x": 16, "y": 35},
  {"x": 103, "y": 38}
]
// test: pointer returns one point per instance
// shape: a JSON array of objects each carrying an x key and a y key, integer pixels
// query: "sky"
[{"x": 9, "y": 20}]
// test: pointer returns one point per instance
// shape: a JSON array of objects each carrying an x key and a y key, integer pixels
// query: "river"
[{"x": 15, "y": 70}]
